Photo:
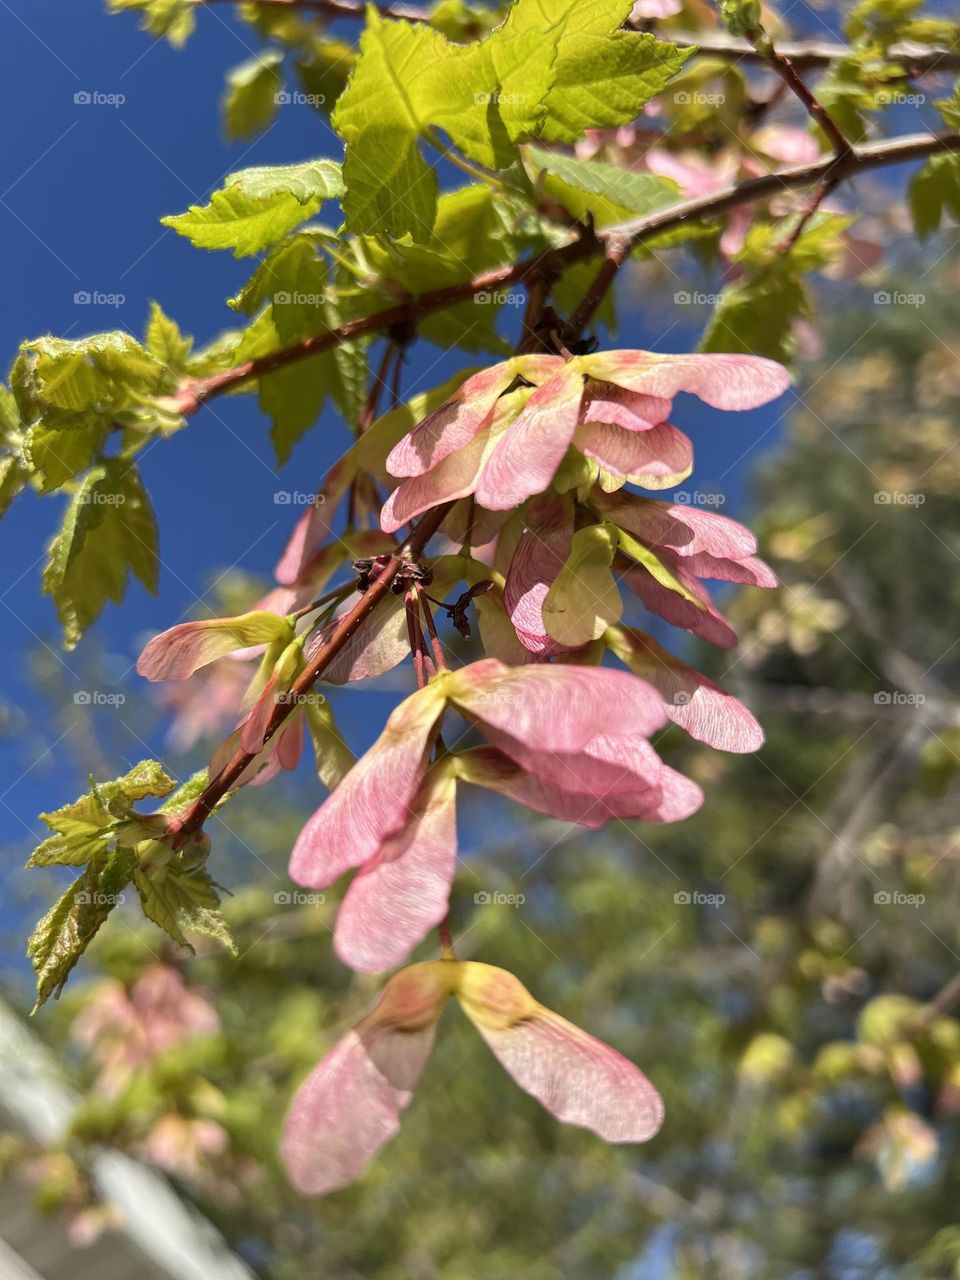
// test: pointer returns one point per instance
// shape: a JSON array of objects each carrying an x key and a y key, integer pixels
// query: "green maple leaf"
[
  {"x": 258, "y": 207},
  {"x": 65, "y": 932},
  {"x": 252, "y": 97},
  {"x": 550, "y": 70},
  {"x": 108, "y": 531},
  {"x": 87, "y": 826}
]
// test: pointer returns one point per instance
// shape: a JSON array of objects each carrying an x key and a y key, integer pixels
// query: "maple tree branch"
[
  {"x": 215, "y": 790},
  {"x": 615, "y": 243},
  {"x": 863, "y": 159},
  {"x": 788, "y": 73},
  {"x": 938, "y": 1006},
  {"x": 808, "y": 55},
  {"x": 814, "y": 202},
  {"x": 337, "y": 8},
  {"x": 916, "y": 57},
  {"x": 615, "y": 255},
  {"x": 194, "y": 392}
]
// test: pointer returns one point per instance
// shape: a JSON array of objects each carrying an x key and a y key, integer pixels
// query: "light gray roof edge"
[{"x": 171, "y": 1232}]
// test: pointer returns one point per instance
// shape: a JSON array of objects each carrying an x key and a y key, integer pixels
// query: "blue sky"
[{"x": 84, "y": 186}]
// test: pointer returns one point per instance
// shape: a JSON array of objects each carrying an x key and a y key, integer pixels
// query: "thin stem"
[
  {"x": 616, "y": 255},
  {"x": 537, "y": 295},
  {"x": 415, "y": 635},
  {"x": 807, "y": 55},
  {"x": 366, "y": 416},
  {"x": 337, "y": 8},
  {"x": 446, "y": 941},
  {"x": 455, "y": 158},
  {"x": 380, "y": 379},
  {"x": 424, "y": 601},
  {"x": 215, "y": 790},
  {"x": 811, "y": 206},
  {"x": 396, "y": 377},
  {"x": 940, "y": 1004},
  {"x": 337, "y": 594},
  {"x": 862, "y": 159},
  {"x": 787, "y": 72}
]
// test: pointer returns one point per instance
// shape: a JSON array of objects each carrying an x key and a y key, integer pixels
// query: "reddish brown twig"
[
  {"x": 813, "y": 55},
  {"x": 811, "y": 206},
  {"x": 616, "y": 254},
  {"x": 198, "y": 812},
  {"x": 788, "y": 72},
  {"x": 339, "y": 8},
  {"x": 196, "y": 391}
]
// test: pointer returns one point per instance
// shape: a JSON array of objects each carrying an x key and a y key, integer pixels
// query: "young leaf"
[
  {"x": 64, "y": 933},
  {"x": 181, "y": 902},
  {"x": 390, "y": 188},
  {"x": 107, "y": 372},
  {"x": 607, "y": 191},
  {"x": 554, "y": 76},
  {"x": 307, "y": 180},
  {"x": 165, "y": 342},
  {"x": 108, "y": 530},
  {"x": 185, "y": 794},
  {"x": 949, "y": 108},
  {"x": 62, "y": 445},
  {"x": 741, "y": 17},
  {"x": 293, "y": 280},
  {"x": 409, "y": 81},
  {"x": 86, "y": 827},
  {"x": 170, "y": 18},
  {"x": 13, "y": 478},
  {"x": 604, "y": 75},
  {"x": 756, "y": 315},
  {"x": 934, "y": 189},
  {"x": 252, "y": 95},
  {"x": 293, "y": 399},
  {"x": 258, "y": 207}
]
